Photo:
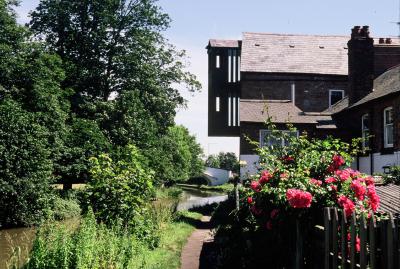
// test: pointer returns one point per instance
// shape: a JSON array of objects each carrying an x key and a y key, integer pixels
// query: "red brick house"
[
  {"x": 302, "y": 79},
  {"x": 372, "y": 108}
]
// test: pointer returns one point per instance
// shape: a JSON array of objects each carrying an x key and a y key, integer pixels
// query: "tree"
[
  {"x": 25, "y": 167},
  {"x": 115, "y": 47},
  {"x": 227, "y": 161},
  {"x": 177, "y": 156}
]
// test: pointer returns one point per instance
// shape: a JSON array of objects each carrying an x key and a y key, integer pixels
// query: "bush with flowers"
[{"x": 297, "y": 178}]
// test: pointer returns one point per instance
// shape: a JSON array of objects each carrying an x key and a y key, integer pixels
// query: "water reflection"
[
  {"x": 195, "y": 198},
  {"x": 17, "y": 239}
]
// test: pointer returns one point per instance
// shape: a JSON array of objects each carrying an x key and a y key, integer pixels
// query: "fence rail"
[{"x": 360, "y": 243}]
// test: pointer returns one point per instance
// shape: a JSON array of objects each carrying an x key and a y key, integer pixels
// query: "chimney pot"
[
  {"x": 355, "y": 31},
  {"x": 388, "y": 41},
  {"x": 381, "y": 40}
]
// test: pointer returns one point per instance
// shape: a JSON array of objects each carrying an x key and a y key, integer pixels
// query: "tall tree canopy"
[{"x": 115, "y": 47}]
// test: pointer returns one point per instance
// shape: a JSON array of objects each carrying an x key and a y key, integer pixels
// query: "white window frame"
[
  {"x": 365, "y": 130},
  {"x": 385, "y": 132},
  {"x": 217, "y": 104},
  {"x": 265, "y": 131},
  {"x": 330, "y": 96},
  {"x": 217, "y": 61}
]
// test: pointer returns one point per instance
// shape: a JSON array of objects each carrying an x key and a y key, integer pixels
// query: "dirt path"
[{"x": 190, "y": 257}]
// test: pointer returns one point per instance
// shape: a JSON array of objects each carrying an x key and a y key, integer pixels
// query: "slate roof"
[
  {"x": 339, "y": 106},
  {"x": 390, "y": 199},
  {"x": 280, "y": 111},
  {"x": 284, "y": 53},
  {"x": 385, "y": 84},
  {"x": 223, "y": 43}
]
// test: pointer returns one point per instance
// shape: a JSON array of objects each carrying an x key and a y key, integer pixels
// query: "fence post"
[
  {"x": 353, "y": 241},
  {"x": 327, "y": 231},
  {"x": 363, "y": 243},
  {"x": 390, "y": 240},
  {"x": 334, "y": 218},
  {"x": 372, "y": 242},
  {"x": 343, "y": 233},
  {"x": 299, "y": 246}
]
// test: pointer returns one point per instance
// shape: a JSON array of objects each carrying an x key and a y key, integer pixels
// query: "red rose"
[
  {"x": 358, "y": 243},
  {"x": 343, "y": 174},
  {"x": 316, "y": 182},
  {"x": 265, "y": 177},
  {"x": 373, "y": 198},
  {"x": 274, "y": 213},
  {"x": 256, "y": 211},
  {"x": 255, "y": 186},
  {"x": 347, "y": 205},
  {"x": 369, "y": 181},
  {"x": 283, "y": 176},
  {"x": 337, "y": 161},
  {"x": 359, "y": 189},
  {"x": 287, "y": 159},
  {"x": 269, "y": 225},
  {"x": 330, "y": 180},
  {"x": 250, "y": 200},
  {"x": 298, "y": 198}
]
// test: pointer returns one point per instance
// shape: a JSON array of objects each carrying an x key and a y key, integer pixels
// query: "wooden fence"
[{"x": 379, "y": 241}]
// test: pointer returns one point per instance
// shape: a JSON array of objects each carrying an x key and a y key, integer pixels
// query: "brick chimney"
[{"x": 361, "y": 63}]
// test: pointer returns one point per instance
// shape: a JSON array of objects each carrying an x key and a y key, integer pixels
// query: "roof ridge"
[
  {"x": 266, "y": 100},
  {"x": 283, "y": 34}
]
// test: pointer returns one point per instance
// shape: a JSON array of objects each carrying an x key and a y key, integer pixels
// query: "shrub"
[
  {"x": 393, "y": 176},
  {"x": 119, "y": 190},
  {"x": 25, "y": 167},
  {"x": 66, "y": 206}
]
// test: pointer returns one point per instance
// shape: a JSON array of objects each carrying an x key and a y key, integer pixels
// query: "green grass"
[{"x": 173, "y": 238}]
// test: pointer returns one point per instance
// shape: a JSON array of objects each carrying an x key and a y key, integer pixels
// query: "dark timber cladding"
[{"x": 224, "y": 87}]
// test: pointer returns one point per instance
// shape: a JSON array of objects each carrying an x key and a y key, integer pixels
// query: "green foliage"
[
  {"x": 119, "y": 189},
  {"x": 177, "y": 156},
  {"x": 84, "y": 140},
  {"x": 393, "y": 176},
  {"x": 227, "y": 161},
  {"x": 25, "y": 167}
]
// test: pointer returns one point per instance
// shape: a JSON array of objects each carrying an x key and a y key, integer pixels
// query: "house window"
[
  {"x": 217, "y": 62},
  {"x": 365, "y": 130},
  {"x": 335, "y": 96},
  {"x": 388, "y": 127},
  {"x": 268, "y": 139}
]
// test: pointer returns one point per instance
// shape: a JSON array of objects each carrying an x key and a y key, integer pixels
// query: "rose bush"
[{"x": 305, "y": 175}]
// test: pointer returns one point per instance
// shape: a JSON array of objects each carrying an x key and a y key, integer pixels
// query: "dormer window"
[
  {"x": 335, "y": 96},
  {"x": 388, "y": 127}
]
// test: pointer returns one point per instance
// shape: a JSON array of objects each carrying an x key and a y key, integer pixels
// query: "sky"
[{"x": 194, "y": 22}]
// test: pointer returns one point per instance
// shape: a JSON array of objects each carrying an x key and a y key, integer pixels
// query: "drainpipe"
[
  {"x": 371, "y": 158},
  {"x": 293, "y": 93}
]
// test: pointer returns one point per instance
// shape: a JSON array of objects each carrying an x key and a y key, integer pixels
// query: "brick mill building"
[{"x": 314, "y": 82}]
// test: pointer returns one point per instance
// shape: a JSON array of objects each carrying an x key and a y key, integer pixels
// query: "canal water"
[
  {"x": 193, "y": 197},
  {"x": 21, "y": 239}
]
